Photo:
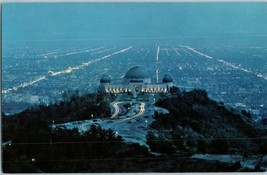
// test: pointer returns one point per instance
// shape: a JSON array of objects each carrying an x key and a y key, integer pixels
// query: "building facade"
[{"x": 136, "y": 81}]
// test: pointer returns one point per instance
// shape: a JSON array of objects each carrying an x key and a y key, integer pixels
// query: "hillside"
[{"x": 195, "y": 124}]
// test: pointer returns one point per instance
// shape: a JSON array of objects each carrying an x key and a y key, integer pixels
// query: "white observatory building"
[{"x": 136, "y": 81}]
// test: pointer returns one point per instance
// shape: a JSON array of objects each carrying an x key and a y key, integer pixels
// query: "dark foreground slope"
[{"x": 195, "y": 124}]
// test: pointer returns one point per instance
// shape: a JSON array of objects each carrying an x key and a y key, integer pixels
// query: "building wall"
[{"x": 136, "y": 87}]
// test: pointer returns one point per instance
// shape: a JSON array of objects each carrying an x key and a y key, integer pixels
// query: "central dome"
[{"x": 136, "y": 73}]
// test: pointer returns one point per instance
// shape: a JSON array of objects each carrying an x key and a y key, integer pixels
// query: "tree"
[
  {"x": 201, "y": 146},
  {"x": 219, "y": 146},
  {"x": 161, "y": 145},
  {"x": 174, "y": 90},
  {"x": 263, "y": 147},
  {"x": 264, "y": 121}
]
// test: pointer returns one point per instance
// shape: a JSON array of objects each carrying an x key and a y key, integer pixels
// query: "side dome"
[
  {"x": 167, "y": 79},
  {"x": 136, "y": 73},
  {"x": 105, "y": 79}
]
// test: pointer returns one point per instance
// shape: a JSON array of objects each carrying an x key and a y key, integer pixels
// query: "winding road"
[{"x": 132, "y": 126}]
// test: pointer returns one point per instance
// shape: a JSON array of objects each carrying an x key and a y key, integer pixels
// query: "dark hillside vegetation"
[
  {"x": 197, "y": 124},
  {"x": 63, "y": 150},
  {"x": 72, "y": 108}
]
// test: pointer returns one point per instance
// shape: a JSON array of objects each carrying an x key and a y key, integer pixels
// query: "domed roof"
[
  {"x": 167, "y": 79},
  {"x": 136, "y": 73},
  {"x": 105, "y": 79}
]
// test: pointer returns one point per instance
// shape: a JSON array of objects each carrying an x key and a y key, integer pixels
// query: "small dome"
[
  {"x": 105, "y": 79},
  {"x": 136, "y": 73},
  {"x": 167, "y": 79}
]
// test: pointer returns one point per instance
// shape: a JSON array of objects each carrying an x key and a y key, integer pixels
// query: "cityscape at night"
[
  {"x": 167, "y": 87},
  {"x": 43, "y": 75}
]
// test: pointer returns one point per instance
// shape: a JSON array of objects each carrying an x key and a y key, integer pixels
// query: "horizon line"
[{"x": 132, "y": 1}]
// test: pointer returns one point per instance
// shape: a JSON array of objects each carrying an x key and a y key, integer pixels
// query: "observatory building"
[{"x": 136, "y": 81}]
